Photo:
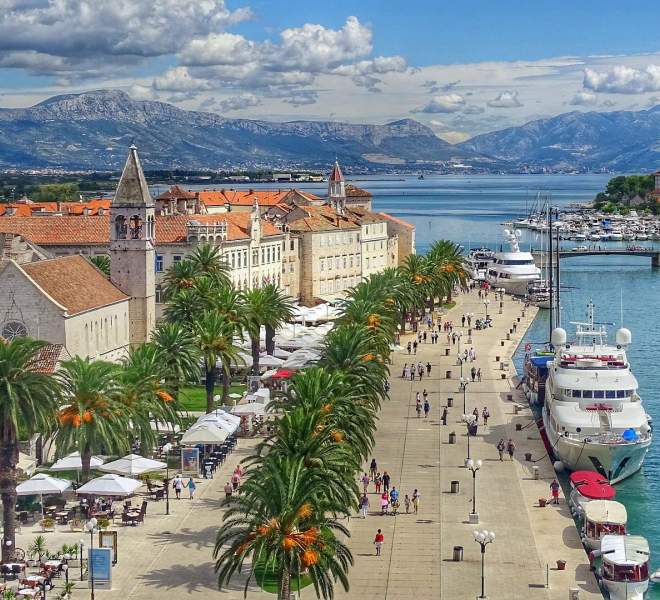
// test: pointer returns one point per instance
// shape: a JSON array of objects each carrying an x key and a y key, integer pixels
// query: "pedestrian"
[
  {"x": 406, "y": 372},
  {"x": 479, "y": 374},
  {"x": 424, "y": 336},
  {"x": 485, "y": 414},
  {"x": 406, "y": 503},
  {"x": 412, "y": 373},
  {"x": 500, "y": 448},
  {"x": 365, "y": 482},
  {"x": 394, "y": 495},
  {"x": 235, "y": 480},
  {"x": 405, "y": 368},
  {"x": 409, "y": 346},
  {"x": 384, "y": 503},
  {"x": 463, "y": 321},
  {"x": 378, "y": 541},
  {"x": 177, "y": 484},
  {"x": 229, "y": 489},
  {"x": 364, "y": 505},
  {"x": 445, "y": 412},
  {"x": 417, "y": 397},
  {"x": 418, "y": 409},
  {"x": 428, "y": 369},
  {"x": 475, "y": 412},
  {"x": 427, "y": 408},
  {"x": 554, "y": 488},
  {"x": 510, "y": 448},
  {"x": 425, "y": 394},
  {"x": 191, "y": 488},
  {"x": 386, "y": 482},
  {"x": 473, "y": 373},
  {"x": 378, "y": 481},
  {"x": 469, "y": 319},
  {"x": 373, "y": 468},
  {"x": 415, "y": 500},
  {"x": 415, "y": 346}
]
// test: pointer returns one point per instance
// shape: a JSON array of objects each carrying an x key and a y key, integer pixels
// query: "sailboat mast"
[
  {"x": 550, "y": 272},
  {"x": 557, "y": 284}
]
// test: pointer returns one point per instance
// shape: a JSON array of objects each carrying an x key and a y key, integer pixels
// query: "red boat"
[{"x": 587, "y": 486}]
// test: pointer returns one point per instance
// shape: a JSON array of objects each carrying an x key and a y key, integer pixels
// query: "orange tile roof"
[
  {"x": 83, "y": 231},
  {"x": 241, "y": 197},
  {"x": 398, "y": 221},
  {"x": 48, "y": 358},
  {"x": 356, "y": 192},
  {"x": 23, "y": 209},
  {"x": 74, "y": 282}
]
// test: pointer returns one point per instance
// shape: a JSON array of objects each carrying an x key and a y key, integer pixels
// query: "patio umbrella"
[
  {"x": 235, "y": 396},
  {"x": 42, "y": 485},
  {"x": 220, "y": 419},
  {"x": 133, "y": 464},
  {"x": 204, "y": 433},
  {"x": 268, "y": 374},
  {"x": 268, "y": 360},
  {"x": 110, "y": 485},
  {"x": 253, "y": 408},
  {"x": 72, "y": 462}
]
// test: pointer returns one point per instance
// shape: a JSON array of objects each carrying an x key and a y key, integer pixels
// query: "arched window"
[
  {"x": 136, "y": 227},
  {"x": 13, "y": 329},
  {"x": 120, "y": 227}
]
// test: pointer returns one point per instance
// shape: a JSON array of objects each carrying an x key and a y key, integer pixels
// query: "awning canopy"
[
  {"x": 73, "y": 462},
  {"x": 253, "y": 408},
  {"x": 204, "y": 433},
  {"x": 283, "y": 374},
  {"x": 606, "y": 511},
  {"x": 133, "y": 464},
  {"x": 42, "y": 485},
  {"x": 110, "y": 485}
]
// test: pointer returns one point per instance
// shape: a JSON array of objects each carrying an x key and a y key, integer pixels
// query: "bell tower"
[
  {"x": 337, "y": 190},
  {"x": 132, "y": 253}
]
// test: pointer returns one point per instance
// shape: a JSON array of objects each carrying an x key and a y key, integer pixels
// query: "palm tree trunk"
[
  {"x": 285, "y": 586},
  {"x": 270, "y": 339},
  {"x": 254, "y": 342},
  {"x": 226, "y": 383},
  {"x": 209, "y": 383},
  {"x": 8, "y": 462},
  {"x": 85, "y": 461}
]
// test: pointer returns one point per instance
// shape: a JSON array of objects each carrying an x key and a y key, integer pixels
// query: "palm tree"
[
  {"x": 180, "y": 276},
  {"x": 215, "y": 337},
  {"x": 280, "y": 311},
  {"x": 178, "y": 354},
  {"x": 28, "y": 400},
  {"x": 101, "y": 262},
  {"x": 207, "y": 260},
  {"x": 93, "y": 419},
  {"x": 256, "y": 313},
  {"x": 281, "y": 524},
  {"x": 447, "y": 267}
]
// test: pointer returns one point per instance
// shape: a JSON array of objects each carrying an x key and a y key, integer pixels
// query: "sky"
[{"x": 461, "y": 68}]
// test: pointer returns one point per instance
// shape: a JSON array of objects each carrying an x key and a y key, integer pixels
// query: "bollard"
[
  {"x": 455, "y": 487},
  {"x": 450, "y": 402},
  {"x": 511, "y": 330},
  {"x": 447, "y": 374},
  {"x": 458, "y": 553},
  {"x": 518, "y": 318},
  {"x": 497, "y": 359},
  {"x": 503, "y": 375},
  {"x": 452, "y": 437},
  {"x": 501, "y": 342},
  {"x": 535, "y": 472},
  {"x": 508, "y": 337},
  {"x": 447, "y": 350},
  {"x": 528, "y": 456}
]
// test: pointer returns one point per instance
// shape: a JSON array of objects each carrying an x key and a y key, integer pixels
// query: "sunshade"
[
  {"x": 253, "y": 408},
  {"x": 133, "y": 464},
  {"x": 283, "y": 374},
  {"x": 110, "y": 485},
  {"x": 220, "y": 419},
  {"x": 268, "y": 374},
  {"x": 204, "y": 433},
  {"x": 42, "y": 485},
  {"x": 267, "y": 360},
  {"x": 606, "y": 511},
  {"x": 72, "y": 462}
]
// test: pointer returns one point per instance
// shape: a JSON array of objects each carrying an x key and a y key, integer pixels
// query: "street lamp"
[
  {"x": 459, "y": 335},
  {"x": 486, "y": 303},
  {"x": 483, "y": 538},
  {"x": 469, "y": 421},
  {"x": 463, "y": 386},
  {"x": 474, "y": 466},
  {"x": 81, "y": 543},
  {"x": 166, "y": 449},
  {"x": 460, "y": 362},
  {"x": 91, "y": 527}
]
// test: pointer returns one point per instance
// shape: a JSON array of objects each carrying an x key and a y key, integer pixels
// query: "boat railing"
[{"x": 606, "y": 437}]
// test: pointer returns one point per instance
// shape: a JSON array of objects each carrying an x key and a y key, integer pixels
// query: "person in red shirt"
[{"x": 378, "y": 541}]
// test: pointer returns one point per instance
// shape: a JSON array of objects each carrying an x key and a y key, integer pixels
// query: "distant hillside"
[
  {"x": 615, "y": 141},
  {"x": 92, "y": 130}
]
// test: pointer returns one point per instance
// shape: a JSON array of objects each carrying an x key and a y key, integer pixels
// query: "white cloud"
[
  {"x": 446, "y": 103},
  {"x": 218, "y": 49},
  {"x": 506, "y": 99},
  {"x": 239, "y": 103},
  {"x": 179, "y": 79},
  {"x": 622, "y": 79},
  {"x": 583, "y": 98}
]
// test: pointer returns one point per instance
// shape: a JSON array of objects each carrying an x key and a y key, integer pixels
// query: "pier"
[{"x": 653, "y": 253}]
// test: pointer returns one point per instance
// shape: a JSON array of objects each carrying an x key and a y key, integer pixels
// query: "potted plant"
[
  {"x": 37, "y": 548},
  {"x": 48, "y": 524},
  {"x": 103, "y": 523},
  {"x": 65, "y": 593},
  {"x": 9, "y": 595}
]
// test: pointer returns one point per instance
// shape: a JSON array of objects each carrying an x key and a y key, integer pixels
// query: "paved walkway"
[{"x": 171, "y": 556}]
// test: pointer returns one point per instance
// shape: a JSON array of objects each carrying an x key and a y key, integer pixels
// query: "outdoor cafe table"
[
  {"x": 34, "y": 580},
  {"x": 52, "y": 564}
]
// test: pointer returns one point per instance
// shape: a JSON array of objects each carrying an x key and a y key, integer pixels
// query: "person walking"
[
  {"x": 463, "y": 321},
  {"x": 418, "y": 409},
  {"x": 554, "y": 488},
  {"x": 427, "y": 408},
  {"x": 378, "y": 481},
  {"x": 412, "y": 373},
  {"x": 365, "y": 483},
  {"x": 428, "y": 369},
  {"x": 177, "y": 484},
  {"x": 424, "y": 337},
  {"x": 364, "y": 505},
  {"x": 405, "y": 369},
  {"x": 479, "y": 374},
  {"x": 445, "y": 413},
  {"x": 229, "y": 489},
  {"x": 415, "y": 500},
  {"x": 378, "y": 541},
  {"x": 510, "y": 448},
  {"x": 386, "y": 482},
  {"x": 501, "y": 446},
  {"x": 235, "y": 480},
  {"x": 475, "y": 412},
  {"x": 415, "y": 346},
  {"x": 473, "y": 373},
  {"x": 425, "y": 394},
  {"x": 409, "y": 347},
  {"x": 191, "y": 489},
  {"x": 373, "y": 468},
  {"x": 384, "y": 503},
  {"x": 485, "y": 414},
  {"x": 417, "y": 397}
]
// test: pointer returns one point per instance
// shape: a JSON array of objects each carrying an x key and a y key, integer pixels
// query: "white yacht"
[
  {"x": 513, "y": 270},
  {"x": 624, "y": 567},
  {"x": 593, "y": 416},
  {"x": 477, "y": 262}
]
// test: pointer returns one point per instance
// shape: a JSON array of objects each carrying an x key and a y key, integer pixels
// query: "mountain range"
[{"x": 92, "y": 130}]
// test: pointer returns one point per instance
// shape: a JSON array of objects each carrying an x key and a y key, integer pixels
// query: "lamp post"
[
  {"x": 459, "y": 335},
  {"x": 474, "y": 466},
  {"x": 486, "y": 303},
  {"x": 483, "y": 538},
  {"x": 91, "y": 527},
  {"x": 469, "y": 421},
  {"x": 460, "y": 362},
  {"x": 463, "y": 386}
]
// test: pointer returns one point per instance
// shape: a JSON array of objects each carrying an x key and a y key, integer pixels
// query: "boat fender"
[{"x": 558, "y": 465}]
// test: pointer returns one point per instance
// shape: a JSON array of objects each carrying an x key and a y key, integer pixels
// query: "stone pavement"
[{"x": 171, "y": 556}]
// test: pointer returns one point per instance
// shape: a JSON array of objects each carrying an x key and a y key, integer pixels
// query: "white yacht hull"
[
  {"x": 621, "y": 590},
  {"x": 514, "y": 287}
]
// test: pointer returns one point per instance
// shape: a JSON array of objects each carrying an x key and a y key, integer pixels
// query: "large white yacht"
[
  {"x": 477, "y": 261},
  {"x": 593, "y": 416},
  {"x": 513, "y": 270}
]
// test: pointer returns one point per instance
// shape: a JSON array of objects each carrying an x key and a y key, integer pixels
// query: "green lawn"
[{"x": 193, "y": 398}]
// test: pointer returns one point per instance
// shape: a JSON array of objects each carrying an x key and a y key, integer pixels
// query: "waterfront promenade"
[{"x": 170, "y": 556}]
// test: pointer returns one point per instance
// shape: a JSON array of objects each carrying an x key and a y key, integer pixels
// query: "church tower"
[
  {"x": 337, "y": 190},
  {"x": 132, "y": 254}
]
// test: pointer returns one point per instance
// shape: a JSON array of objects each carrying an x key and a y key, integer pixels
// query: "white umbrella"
[
  {"x": 133, "y": 464},
  {"x": 235, "y": 396},
  {"x": 222, "y": 421},
  {"x": 42, "y": 485},
  {"x": 73, "y": 462},
  {"x": 110, "y": 485},
  {"x": 268, "y": 360},
  {"x": 204, "y": 433},
  {"x": 253, "y": 408},
  {"x": 218, "y": 413}
]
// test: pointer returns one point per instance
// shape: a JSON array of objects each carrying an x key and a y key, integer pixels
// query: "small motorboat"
[
  {"x": 601, "y": 518},
  {"x": 587, "y": 486},
  {"x": 624, "y": 566}
]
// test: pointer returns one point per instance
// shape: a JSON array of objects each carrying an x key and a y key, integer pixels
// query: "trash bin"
[
  {"x": 542, "y": 502},
  {"x": 450, "y": 402},
  {"x": 508, "y": 337},
  {"x": 501, "y": 342},
  {"x": 455, "y": 487},
  {"x": 518, "y": 319},
  {"x": 528, "y": 456},
  {"x": 503, "y": 375},
  {"x": 452, "y": 437},
  {"x": 497, "y": 359},
  {"x": 458, "y": 553},
  {"x": 561, "y": 565},
  {"x": 447, "y": 374}
]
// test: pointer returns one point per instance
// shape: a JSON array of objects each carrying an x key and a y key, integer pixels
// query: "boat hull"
[{"x": 622, "y": 590}]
